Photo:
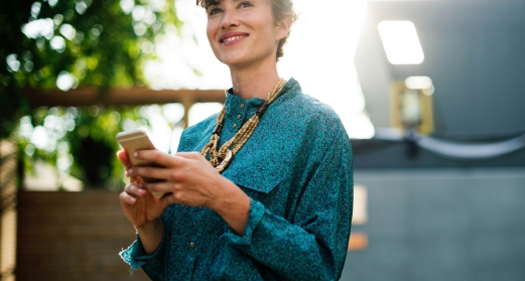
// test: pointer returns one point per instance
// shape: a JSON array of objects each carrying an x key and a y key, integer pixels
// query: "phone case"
[
  {"x": 138, "y": 140},
  {"x": 133, "y": 141}
]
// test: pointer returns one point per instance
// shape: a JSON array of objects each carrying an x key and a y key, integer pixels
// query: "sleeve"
[
  {"x": 314, "y": 246},
  {"x": 153, "y": 264}
]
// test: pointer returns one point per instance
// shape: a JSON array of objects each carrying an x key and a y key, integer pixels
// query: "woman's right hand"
[{"x": 141, "y": 208}]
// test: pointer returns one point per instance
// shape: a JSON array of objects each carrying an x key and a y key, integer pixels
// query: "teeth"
[{"x": 232, "y": 38}]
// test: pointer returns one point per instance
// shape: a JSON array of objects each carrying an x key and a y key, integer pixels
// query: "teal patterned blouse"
[{"x": 297, "y": 170}]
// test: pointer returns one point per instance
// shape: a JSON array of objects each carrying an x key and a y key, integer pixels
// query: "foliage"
[
  {"x": 10, "y": 96},
  {"x": 78, "y": 141},
  {"x": 65, "y": 44}
]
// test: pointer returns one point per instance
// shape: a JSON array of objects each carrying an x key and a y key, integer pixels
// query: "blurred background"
[{"x": 432, "y": 94}]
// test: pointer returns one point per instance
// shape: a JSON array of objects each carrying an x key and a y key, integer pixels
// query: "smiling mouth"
[{"x": 233, "y": 38}]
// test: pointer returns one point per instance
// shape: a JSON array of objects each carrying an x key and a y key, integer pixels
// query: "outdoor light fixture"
[
  {"x": 411, "y": 105},
  {"x": 423, "y": 83},
  {"x": 401, "y": 42}
]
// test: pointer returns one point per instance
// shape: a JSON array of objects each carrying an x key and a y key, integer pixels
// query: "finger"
[
  {"x": 126, "y": 199},
  {"x": 124, "y": 158},
  {"x": 162, "y": 187},
  {"x": 193, "y": 156},
  {"x": 134, "y": 190},
  {"x": 159, "y": 157},
  {"x": 189, "y": 155},
  {"x": 151, "y": 173}
]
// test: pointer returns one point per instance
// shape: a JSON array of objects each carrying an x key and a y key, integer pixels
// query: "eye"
[
  {"x": 245, "y": 4},
  {"x": 213, "y": 10}
]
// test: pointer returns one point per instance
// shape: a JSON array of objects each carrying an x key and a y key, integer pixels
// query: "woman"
[{"x": 268, "y": 194}]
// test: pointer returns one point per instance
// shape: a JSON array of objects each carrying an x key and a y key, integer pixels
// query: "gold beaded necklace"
[{"x": 220, "y": 159}]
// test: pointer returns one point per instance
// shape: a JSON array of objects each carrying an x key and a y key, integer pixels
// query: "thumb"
[{"x": 124, "y": 158}]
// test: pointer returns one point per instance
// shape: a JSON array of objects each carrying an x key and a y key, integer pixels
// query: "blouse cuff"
[
  {"x": 255, "y": 216},
  {"x": 136, "y": 257}
]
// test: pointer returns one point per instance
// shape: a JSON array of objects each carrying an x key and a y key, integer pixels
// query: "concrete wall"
[{"x": 442, "y": 224}]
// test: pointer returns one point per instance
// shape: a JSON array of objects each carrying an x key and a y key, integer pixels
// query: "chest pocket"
[
  {"x": 259, "y": 183},
  {"x": 259, "y": 178},
  {"x": 269, "y": 160},
  {"x": 269, "y": 188},
  {"x": 260, "y": 174}
]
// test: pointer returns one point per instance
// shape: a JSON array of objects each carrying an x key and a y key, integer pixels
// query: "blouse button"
[
  {"x": 242, "y": 105},
  {"x": 239, "y": 117},
  {"x": 235, "y": 125},
  {"x": 192, "y": 245}
]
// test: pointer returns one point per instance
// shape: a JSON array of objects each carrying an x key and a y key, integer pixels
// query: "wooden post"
[
  {"x": 8, "y": 213},
  {"x": 187, "y": 102}
]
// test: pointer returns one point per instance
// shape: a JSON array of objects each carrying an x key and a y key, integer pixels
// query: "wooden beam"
[{"x": 132, "y": 96}]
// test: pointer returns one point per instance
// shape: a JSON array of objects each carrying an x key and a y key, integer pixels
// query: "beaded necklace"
[{"x": 220, "y": 159}]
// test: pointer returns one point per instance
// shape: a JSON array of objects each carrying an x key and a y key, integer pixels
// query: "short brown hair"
[{"x": 280, "y": 10}]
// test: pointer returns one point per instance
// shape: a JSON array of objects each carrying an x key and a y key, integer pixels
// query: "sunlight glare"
[{"x": 319, "y": 54}]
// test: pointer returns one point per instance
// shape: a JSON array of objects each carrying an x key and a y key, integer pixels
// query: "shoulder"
[
  {"x": 302, "y": 111},
  {"x": 301, "y": 125},
  {"x": 321, "y": 121},
  {"x": 317, "y": 110},
  {"x": 301, "y": 105}
]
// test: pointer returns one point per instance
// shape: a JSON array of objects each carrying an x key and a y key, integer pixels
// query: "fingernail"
[
  {"x": 136, "y": 154},
  {"x": 130, "y": 171},
  {"x": 132, "y": 200}
]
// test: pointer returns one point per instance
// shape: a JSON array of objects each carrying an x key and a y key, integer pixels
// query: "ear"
[{"x": 283, "y": 28}]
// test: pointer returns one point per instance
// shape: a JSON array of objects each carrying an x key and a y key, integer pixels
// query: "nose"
[{"x": 229, "y": 19}]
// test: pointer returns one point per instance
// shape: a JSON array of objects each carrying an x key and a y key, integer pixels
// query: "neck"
[{"x": 254, "y": 82}]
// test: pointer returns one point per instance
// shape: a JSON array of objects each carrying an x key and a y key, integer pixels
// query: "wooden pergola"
[
  {"x": 122, "y": 96},
  {"x": 42, "y": 253}
]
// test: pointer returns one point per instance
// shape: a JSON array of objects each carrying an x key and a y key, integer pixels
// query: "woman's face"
[{"x": 243, "y": 33}]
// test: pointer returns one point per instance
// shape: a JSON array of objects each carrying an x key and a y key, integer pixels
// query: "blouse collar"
[{"x": 234, "y": 103}]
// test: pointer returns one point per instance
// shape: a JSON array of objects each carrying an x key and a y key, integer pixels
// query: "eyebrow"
[
  {"x": 213, "y": 3},
  {"x": 217, "y": 2}
]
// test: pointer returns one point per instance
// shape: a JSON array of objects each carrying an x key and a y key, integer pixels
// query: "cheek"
[
  {"x": 211, "y": 30},
  {"x": 267, "y": 24},
  {"x": 211, "y": 33}
]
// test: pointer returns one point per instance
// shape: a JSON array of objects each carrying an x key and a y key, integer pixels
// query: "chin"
[{"x": 235, "y": 61}]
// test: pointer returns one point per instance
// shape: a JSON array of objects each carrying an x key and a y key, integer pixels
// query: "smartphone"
[{"x": 138, "y": 140}]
